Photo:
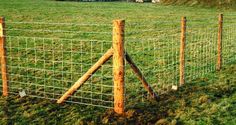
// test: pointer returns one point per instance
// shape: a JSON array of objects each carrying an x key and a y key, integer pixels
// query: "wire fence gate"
[{"x": 88, "y": 64}]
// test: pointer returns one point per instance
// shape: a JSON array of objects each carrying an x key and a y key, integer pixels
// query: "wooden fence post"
[
  {"x": 182, "y": 50},
  {"x": 3, "y": 57},
  {"x": 118, "y": 65},
  {"x": 219, "y": 44}
]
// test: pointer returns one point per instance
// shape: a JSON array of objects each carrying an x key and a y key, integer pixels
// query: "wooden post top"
[
  {"x": 1, "y": 26},
  {"x": 184, "y": 19},
  {"x": 2, "y": 19},
  {"x": 221, "y": 17},
  {"x": 118, "y": 22},
  {"x": 118, "y": 26}
]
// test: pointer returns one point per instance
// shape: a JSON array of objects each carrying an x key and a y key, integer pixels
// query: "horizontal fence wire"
[
  {"x": 156, "y": 52},
  {"x": 201, "y": 50},
  {"x": 46, "y": 64},
  {"x": 229, "y": 43},
  {"x": 46, "y": 59}
]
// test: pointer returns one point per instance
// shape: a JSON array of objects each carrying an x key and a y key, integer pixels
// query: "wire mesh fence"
[
  {"x": 201, "y": 49},
  {"x": 45, "y": 62},
  {"x": 46, "y": 59},
  {"x": 156, "y": 53},
  {"x": 229, "y": 44}
]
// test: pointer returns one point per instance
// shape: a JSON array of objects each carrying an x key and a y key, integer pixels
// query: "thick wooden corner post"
[
  {"x": 3, "y": 57},
  {"x": 219, "y": 44},
  {"x": 118, "y": 65},
  {"x": 182, "y": 51}
]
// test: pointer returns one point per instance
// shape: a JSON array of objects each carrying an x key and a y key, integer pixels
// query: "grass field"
[
  {"x": 51, "y": 44},
  {"x": 205, "y": 101}
]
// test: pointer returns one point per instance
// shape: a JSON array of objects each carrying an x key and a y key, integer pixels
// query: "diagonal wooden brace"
[
  {"x": 140, "y": 76},
  {"x": 87, "y": 75}
]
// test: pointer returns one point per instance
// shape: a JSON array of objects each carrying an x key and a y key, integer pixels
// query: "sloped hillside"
[{"x": 209, "y": 3}]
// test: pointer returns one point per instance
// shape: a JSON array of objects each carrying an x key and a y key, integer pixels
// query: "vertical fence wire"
[
  {"x": 228, "y": 43},
  {"x": 156, "y": 53},
  {"x": 201, "y": 48},
  {"x": 45, "y": 59}
]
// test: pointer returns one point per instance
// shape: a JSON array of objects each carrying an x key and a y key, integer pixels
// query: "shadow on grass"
[
  {"x": 30, "y": 110},
  {"x": 195, "y": 101}
]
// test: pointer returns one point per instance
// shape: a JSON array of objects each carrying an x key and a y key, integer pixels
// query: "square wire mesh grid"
[
  {"x": 45, "y": 59},
  {"x": 45, "y": 62}
]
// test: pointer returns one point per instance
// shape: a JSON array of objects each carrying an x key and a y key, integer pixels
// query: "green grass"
[
  {"x": 209, "y": 100},
  {"x": 46, "y": 63}
]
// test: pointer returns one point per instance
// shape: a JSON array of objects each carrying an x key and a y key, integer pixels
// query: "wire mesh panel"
[
  {"x": 154, "y": 47},
  {"x": 201, "y": 48},
  {"x": 44, "y": 61},
  {"x": 229, "y": 40}
]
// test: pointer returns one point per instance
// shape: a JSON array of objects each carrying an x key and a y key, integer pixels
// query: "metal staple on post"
[
  {"x": 118, "y": 65},
  {"x": 3, "y": 57},
  {"x": 219, "y": 44},
  {"x": 182, "y": 50}
]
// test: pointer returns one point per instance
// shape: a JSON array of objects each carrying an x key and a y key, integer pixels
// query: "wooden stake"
[
  {"x": 118, "y": 65},
  {"x": 140, "y": 76},
  {"x": 219, "y": 44},
  {"x": 87, "y": 75},
  {"x": 3, "y": 57},
  {"x": 182, "y": 50}
]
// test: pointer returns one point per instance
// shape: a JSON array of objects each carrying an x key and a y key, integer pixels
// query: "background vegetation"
[{"x": 207, "y": 3}]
